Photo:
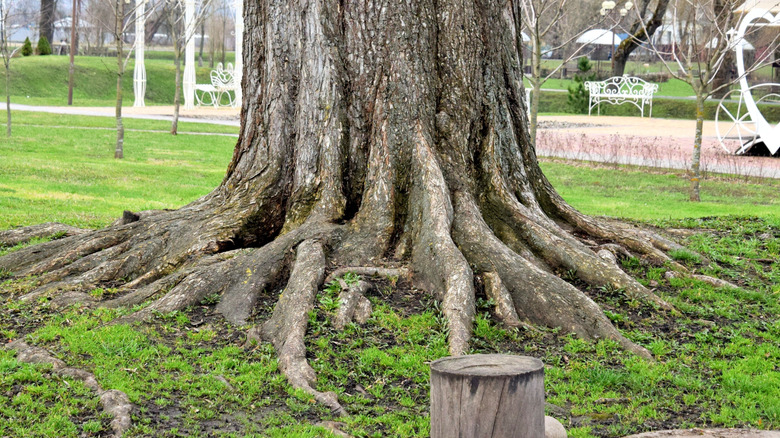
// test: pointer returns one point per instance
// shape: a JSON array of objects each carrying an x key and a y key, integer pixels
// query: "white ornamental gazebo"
[{"x": 188, "y": 81}]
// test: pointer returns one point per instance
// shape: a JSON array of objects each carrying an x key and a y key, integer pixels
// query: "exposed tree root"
[
  {"x": 369, "y": 271},
  {"x": 287, "y": 327},
  {"x": 114, "y": 402},
  {"x": 717, "y": 282},
  {"x": 537, "y": 295},
  {"x": 16, "y": 236},
  {"x": 505, "y": 308},
  {"x": 353, "y": 304}
]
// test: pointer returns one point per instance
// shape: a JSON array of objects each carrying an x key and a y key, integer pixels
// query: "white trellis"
[
  {"x": 188, "y": 81},
  {"x": 139, "y": 73}
]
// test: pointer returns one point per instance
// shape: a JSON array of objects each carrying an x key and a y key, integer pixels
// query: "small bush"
[
  {"x": 578, "y": 95},
  {"x": 27, "y": 49},
  {"x": 44, "y": 48}
]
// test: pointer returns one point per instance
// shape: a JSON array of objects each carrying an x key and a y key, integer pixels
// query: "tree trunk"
[
  {"x": 120, "y": 128},
  {"x": 46, "y": 20},
  {"x": 373, "y": 134},
  {"x": 696, "y": 155},
  {"x": 177, "y": 89},
  {"x": 224, "y": 34},
  {"x": 8, "y": 98},
  {"x": 536, "y": 85},
  {"x": 639, "y": 34},
  {"x": 202, "y": 42},
  {"x": 723, "y": 17}
]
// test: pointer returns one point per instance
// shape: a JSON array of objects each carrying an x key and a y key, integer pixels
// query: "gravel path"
[{"x": 663, "y": 143}]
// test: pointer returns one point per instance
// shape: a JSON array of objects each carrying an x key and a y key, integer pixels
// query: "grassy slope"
[
  {"x": 188, "y": 374},
  {"x": 43, "y": 80}
]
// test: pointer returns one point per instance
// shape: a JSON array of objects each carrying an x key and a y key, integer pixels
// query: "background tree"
[
  {"x": 113, "y": 17},
  {"x": 377, "y": 138},
  {"x": 704, "y": 43},
  {"x": 7, "y": 53},
  {"x": 46, "y": 19},
  {"x": 181, "y": 34},
  {"x": 641, "y": 30},
  {"x": 542, "y": 18},
  {"x": 27, "y": 49}
]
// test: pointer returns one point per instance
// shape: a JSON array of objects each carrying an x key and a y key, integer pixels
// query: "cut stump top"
[{"x": 487, "y": 365}]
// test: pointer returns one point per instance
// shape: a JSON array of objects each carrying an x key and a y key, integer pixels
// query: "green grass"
[
  {"x": 189, "y": 374},
  {"x": 649, "y": 195},
  {"x": 43, "y": 80},
  {"x": 69, "y": 175}
]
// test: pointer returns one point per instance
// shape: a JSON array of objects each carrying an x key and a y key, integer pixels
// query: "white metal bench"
[
  {"x": 221, "y": 92},
  {"x": 619, "y": 90}
]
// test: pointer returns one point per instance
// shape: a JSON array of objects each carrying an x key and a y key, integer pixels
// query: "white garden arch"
[{"x": 188, "y": 81}]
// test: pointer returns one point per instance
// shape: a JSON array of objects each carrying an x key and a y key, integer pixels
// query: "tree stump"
[{"x": 487, "y": 395}]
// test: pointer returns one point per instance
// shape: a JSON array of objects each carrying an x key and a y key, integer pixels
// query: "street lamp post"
[{"x": 607, "y": 6}]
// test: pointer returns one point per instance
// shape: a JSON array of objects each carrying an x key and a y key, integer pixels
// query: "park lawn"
[
  {"x": 190, "y": 374},
  {"x": 43, "y": 80},
  {"x": 650, "y": 195},
  {"x": 69, "y": 175},
  {"x": 42, "y": 120}
]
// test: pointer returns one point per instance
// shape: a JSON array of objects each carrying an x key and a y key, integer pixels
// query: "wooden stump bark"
[{"x": 487, "y": 395}]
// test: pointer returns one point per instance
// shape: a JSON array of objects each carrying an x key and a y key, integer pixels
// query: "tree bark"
[
  {"x": 119, "y": 151},
  {"x": 372, "y": 135},
  {"x": 8, "y": 98},
  {"x": 696, "y": 155},
  {"x": 536, "y": 84},
  {"x": 638, "y": 35},
  {"x": 46, "y": 20},
  {"x": 177, "y": 92}
]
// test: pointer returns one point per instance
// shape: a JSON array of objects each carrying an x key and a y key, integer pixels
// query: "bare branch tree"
[
  {"x": 116, "y": 21},
  {"x": 640, "y": 31},
  {"x": 6, "y": 15},
  {"x": 181, "y": 33},
  {"x": 540, "y": 18}
]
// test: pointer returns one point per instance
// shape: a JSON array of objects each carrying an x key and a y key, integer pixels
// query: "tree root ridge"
[
  {"x": 114, "y": 402},
  {"x": 22, "y": 235},
  {"x": 286, "y": 328},
  {"x": 369, "y": 271},
  {"x": 537, "y": 295},
  {"x": 353, "y": 304}
]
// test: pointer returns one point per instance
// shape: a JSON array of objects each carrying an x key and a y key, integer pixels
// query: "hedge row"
[{"x": 554, "y": 102}]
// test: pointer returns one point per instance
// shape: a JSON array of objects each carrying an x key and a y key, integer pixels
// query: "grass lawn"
[
  {"x": 68, "y": 174},
  {"x": 189, "y": 374},
  {"x": 652, "y": 195},
  {"x": 43, "y": 80}
]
